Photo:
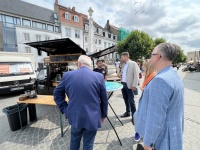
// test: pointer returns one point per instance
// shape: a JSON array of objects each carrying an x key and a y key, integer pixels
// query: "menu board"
[
  {"x": 64, "y": 58},
  {"x": 4, "y": 69}
]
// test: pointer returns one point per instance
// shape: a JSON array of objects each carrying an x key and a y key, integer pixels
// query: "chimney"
[
  {"x": 56, "y": 2},
  {"x": 73, "y": 8},
  {"x": 108, "y": 25}
]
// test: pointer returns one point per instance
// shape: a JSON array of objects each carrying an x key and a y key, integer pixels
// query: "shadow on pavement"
[{"x": 126, "y": 144}]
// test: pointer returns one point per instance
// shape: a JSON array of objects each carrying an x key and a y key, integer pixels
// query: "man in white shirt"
[
  {"x": 129, "y": 78},
  {"x": 117, "y": 63}
]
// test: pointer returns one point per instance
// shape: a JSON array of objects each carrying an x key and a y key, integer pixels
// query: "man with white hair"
[{"x": 88, "y": 102}]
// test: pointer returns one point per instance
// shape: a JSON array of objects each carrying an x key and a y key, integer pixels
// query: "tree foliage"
[
  {"x": 159, "y": 40},
  {"x": 180, "y": 56},
  {"x": 138, "y": 43}
]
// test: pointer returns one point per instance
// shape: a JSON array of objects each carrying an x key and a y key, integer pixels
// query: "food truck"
[
  {"x": 63, "y": 56},
  {"x": 17, "y": 72}
]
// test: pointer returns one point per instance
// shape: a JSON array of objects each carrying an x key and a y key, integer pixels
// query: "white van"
[{"x": 16, "y": 74}]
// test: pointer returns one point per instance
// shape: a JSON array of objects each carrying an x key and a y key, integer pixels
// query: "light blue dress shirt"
[
  {"x": 124, "y": 70},
  {"x": 159, "y": 118}
]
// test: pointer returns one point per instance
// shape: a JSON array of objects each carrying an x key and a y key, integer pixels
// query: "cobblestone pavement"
[{"x": 45, "y": 133}]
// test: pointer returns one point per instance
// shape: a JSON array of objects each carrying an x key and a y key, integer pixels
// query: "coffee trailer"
[{"x": 63, "y": 56}]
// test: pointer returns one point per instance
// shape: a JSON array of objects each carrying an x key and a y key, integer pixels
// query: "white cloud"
[{"x": 176, "y": 21}]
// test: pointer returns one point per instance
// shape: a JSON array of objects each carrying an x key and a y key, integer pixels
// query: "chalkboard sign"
[{"x": 64, "y": 58}]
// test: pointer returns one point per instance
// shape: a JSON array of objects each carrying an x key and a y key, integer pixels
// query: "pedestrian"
[
  {"x": 117, "y": 65},
  {"x": 100, "y": 69},
  {"x": 104, "y": 65},
  {"x": 160, "y": 116},
  {"x": 88, "y": 102},
  {"x": 149, "y": 74},
  {"x": 129, "y": 79}
]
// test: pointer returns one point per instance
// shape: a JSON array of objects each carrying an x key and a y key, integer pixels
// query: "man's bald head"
[{"x": 84, "y": 60}]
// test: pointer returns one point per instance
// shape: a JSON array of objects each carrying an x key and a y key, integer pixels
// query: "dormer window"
[
  {"x": 99, "y": 31},
  {"x": 67, "y": 16},
  {"x": 86, "y": 27},
  {"x": 76, "y": 18}
]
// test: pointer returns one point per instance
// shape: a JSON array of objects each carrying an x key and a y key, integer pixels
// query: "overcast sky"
[{"x": 177, "y": 21}]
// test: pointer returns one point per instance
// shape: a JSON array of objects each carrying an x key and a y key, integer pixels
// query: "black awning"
[
  {"x": 58, "y": 46},
  {"x": 104, "y": 52}
]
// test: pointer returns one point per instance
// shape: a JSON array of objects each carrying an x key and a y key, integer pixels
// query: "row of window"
[
  {"x": 37, "y": 37},
  {"x": 68, "y": 17},
  {"x": 99, "y": 31},
  {"x": 11, "y": 21},
  {"x": 68, "y": 32}
]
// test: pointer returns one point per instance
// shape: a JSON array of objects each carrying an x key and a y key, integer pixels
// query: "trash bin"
[
  {"x": 12, "y": 113},
  {"x": 32, "y": 112}
]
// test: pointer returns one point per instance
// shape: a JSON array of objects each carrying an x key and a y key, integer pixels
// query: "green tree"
[
  {"x": 159, "y": 40},
  {"x": 180, "y": 56},
  {"x": 138, "y": 43}
]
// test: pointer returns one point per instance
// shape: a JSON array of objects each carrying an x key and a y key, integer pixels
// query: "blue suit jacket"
[
  {"x": 160, "y": 115},
  {"x": 87, "y": 95}
]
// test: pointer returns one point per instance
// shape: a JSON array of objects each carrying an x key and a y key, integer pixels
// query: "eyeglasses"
[{"x": 155, "y": 54}]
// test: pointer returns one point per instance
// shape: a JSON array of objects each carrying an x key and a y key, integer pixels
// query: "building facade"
[
  {"x": 71, "y": 23},
  {"x": 22, "y": 22}
]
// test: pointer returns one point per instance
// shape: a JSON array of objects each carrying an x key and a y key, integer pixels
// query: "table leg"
[
  {"x": 115, "y": 114},
  {"x": 115, "y": 131},
  {"x": 20, "y": 120}
]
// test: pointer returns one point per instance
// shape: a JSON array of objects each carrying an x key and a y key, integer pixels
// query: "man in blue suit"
[
  {"x": 88, "y": 103},
  {"x": 160, "y": 116}
]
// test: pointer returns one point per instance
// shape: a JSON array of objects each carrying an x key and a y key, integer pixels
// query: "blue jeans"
[
  {"x": 128, "y": 96},
  {"x": 88, "y": 139}
]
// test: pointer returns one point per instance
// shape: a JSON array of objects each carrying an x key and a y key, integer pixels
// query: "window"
[
  {"x": 109, "y": 35},
  {"x": 76, "y": 18},
  {"x": 104, "y": 34},
  {"x": 55, "y": 15},
  {"x": 99, "y": 31},
  {"x": 17, "y": 21},
  {"x": 77, "y": 33},
  {"x": 67, "y": 16},
  {"x": 86, "y": 40},
  {"x": 99, "y": 41},
  {"x": 68, "y": 32},
  {"x": 104, "y": 44},
  {"x": 44, "y": 26},
  {"x": 39, "y": 25},
  {"x": 86, "y": 49},
  {"x": 108, "y": 44},
  {"x": 56, "y": 28},
  {"x": 95, "y": 41},
  {"x": 113, "y": 37},
  {"x": 86, "y": 27},
  {"x": 9, "y": 19},
  {"x": 26, "y": 22},
  {"x": 95, "y": 30},
  {"x": 38, "y": 38},
  {"x": 47, "y": 38},
  {"x": 28, "y": 49},
  {"x": 26, "y": 37},
  {"x": 50, "y": 27}
]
